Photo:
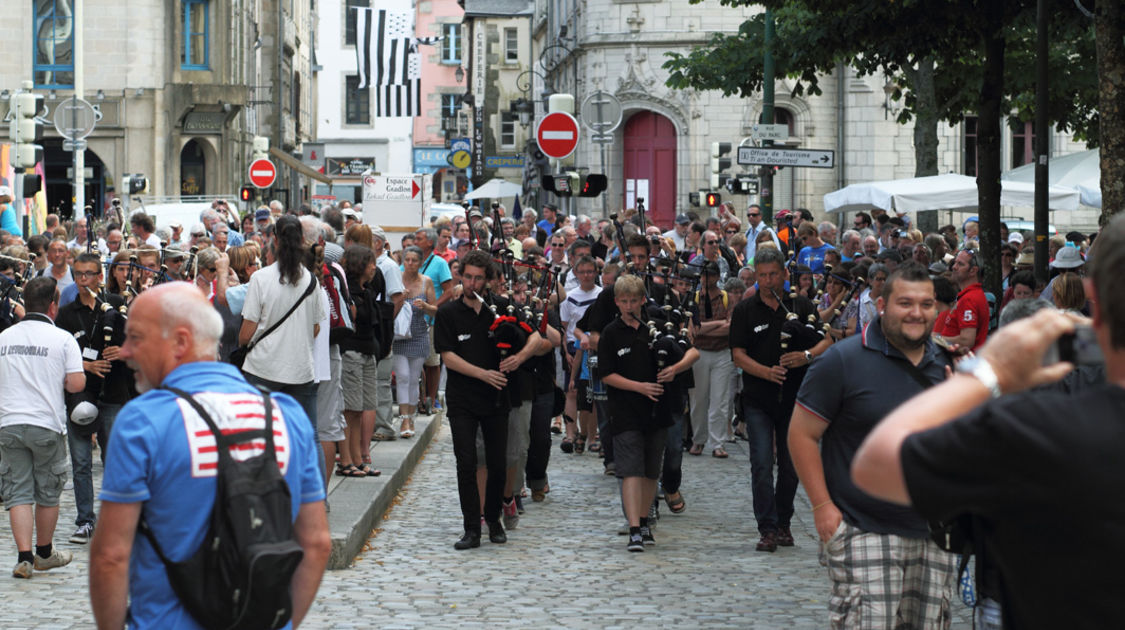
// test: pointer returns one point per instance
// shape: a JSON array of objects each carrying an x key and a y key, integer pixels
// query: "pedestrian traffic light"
[
  {"x": 693, "y": 199},
  {"x": 719, "y": 163},
  {"x": 714, "y": 199},
  {"x": 27, "y": 129},
  {"x": 246, "y": 193},
  {"x": 593, "y": 185}
]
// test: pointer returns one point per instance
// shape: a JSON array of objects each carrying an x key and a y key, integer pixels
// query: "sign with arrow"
[{"x": 773, "y": 156}]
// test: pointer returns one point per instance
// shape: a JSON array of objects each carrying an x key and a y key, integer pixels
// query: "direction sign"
[
  {"x": 769, "y": 132},
  {"x": 771, "y": 156},
  {"x": 557, "y": 134},
  {"x": 262, "y": 173},
  {"x": 74, "y": 118}
]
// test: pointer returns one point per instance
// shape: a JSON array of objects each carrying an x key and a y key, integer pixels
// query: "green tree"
[
  {"x": 1110, "y": 18},
  {"x": 946, "y": 57}
]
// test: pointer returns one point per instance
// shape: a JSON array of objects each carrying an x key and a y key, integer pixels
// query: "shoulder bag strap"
[
  {"x": 914, "y": 372},
  {"x": 308, "y": 291}
]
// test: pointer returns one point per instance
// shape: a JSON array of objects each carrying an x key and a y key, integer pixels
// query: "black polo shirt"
[
  {"x": 852, "y": 387},
  {"x": 459, "y": 329},
  {"x": 756, "y": 328},
  {"x": 624, "y": 350},
  {"x": 83, "y": 322},
  {"x": 604, "y": 309}
]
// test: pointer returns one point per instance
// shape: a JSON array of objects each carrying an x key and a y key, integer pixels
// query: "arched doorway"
[
  {"x": 650, "y": 165},
  {"x": 193, "y": 169}
]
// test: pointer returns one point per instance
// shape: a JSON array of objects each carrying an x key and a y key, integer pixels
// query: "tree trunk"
[
  {"x": 925, "y": 118},
  {"x": 1109, "y": 38},
  {"x": 925, "y": 131},
  {"x": 988, "y": 143}
]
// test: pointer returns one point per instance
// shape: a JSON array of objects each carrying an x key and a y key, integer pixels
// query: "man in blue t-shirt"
[
  {"x": 549, "y": 220},
  {"x": 812, "y": 254},
  {"x": 164, "y": 463}
]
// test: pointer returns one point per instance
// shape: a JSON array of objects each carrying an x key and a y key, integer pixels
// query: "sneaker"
[
  {"x": 623, "y": 530},
  {"x": 22, "y": 570},
  {"x": 784, "y": 537},
  {"x": 768, "y": 542},
  {"x": 82, "y": 535},
  {"x": 511, "y": 515},
  {"x": 56, "y": 559},
  {"x": 653, "y": 514},
  {"x": 538, "y": 496},
  {"x": 436, "y": 406},
  {"x": 519, "y": 505},
  {"x": 646, "y": 535},
  {"x": 636, "y": 543},
  {"x": 610, "y": 469}
]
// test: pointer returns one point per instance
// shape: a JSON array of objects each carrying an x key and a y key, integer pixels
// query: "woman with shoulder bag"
[{"x": 410, "y": 353}]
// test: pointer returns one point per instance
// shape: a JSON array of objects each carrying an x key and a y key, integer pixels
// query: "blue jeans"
[
  {"x": 773, "y": 507},
  {"x": 303, "y": 393},
  {"x": 673, "y": 473},
  {"x": 82, "y": 461}
]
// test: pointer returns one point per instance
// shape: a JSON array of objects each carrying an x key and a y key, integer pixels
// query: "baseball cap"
[
  {"x": 781, "y": 214},
  {"x": 175, "y": 225},
  {"x": 84, "y": 413},
  {"x": 683, "y": 219},
  {"x": 1015, "y": 237},
  {"x": 261, "y": 214},
  {"x": 348, "y": 212},
  {"x": 5, "y": 191},
  {"x": 377, "y": 232}
]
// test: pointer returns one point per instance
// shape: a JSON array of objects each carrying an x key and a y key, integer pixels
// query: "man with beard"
[
  {"x": 967, "y": 325},
  {"x": 877, "y": 552}
]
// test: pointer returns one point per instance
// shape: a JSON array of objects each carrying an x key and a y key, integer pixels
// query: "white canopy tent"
[
  {"x": 1081, "y": 171},
  {"x": 939, "y": 192},
  {"x": 495, "y": 189}
]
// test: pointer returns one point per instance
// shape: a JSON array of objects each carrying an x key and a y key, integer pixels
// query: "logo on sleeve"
[
  {"x": 758, "y": 329},
  {"x": 464, "y": 337},
  {"x": 624, "y": 351},
  {"x": 969, "y": 316}
]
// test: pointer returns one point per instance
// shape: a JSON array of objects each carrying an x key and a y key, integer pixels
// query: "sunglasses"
[
  {"x": 712, "y": 242},
  {"x": 754, "y": 214},
  {"x": 211, "y": 269},
  {"x": 86, "y": 274},
  {"x": 731, "y": 231}
]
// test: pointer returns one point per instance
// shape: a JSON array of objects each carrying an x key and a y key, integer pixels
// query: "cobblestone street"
[{"x": 564, "y": 566}]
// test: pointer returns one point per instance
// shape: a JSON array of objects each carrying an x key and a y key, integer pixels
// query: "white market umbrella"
[
  {"x": 938, "y": 192},
  {"x": 495, "y": 189},
  {"x": 1080, "y": 171}
]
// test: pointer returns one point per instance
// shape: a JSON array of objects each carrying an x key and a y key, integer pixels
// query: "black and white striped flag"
[{"x": 387, "y": 59}]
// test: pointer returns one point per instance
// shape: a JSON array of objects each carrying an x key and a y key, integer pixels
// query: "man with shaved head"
[{"x": 162, "y": 460}]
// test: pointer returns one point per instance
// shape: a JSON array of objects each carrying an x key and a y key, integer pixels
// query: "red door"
[{"x": 650, "y": 166}]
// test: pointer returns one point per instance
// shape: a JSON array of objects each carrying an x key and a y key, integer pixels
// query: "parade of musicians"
[{"x": 562, "y": 314}]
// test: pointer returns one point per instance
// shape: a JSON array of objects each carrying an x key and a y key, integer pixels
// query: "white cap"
[
  {"x": 5, "y": 191},
  {"x": 84, "y": 413},
  {"x": 1015, "y": 237}
]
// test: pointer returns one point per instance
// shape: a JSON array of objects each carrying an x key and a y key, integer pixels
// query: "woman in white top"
[{"x": 283, "y": 360}]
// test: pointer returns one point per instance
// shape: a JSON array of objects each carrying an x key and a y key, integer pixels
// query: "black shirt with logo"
[
  {"x": 756, "y": 328},
  {"x": 624, "y": 350},
  {"x": 463, "y": 331},
  {"x": 76, "y": 318}
]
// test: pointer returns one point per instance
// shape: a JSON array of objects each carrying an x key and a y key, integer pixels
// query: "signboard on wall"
[{"x": 348, "y": 166}]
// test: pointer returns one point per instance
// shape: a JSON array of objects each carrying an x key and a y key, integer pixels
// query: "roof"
[{"x": 498, "y": 8}]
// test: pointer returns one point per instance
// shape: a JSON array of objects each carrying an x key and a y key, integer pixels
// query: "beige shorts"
[
  {"x": 358, "y": 375},
  {"x": 33, "y": 465}
]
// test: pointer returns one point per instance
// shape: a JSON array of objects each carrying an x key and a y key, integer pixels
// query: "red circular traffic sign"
[
  {"x": 557, "y": 135},
  {"x": 262, "y": 173}
]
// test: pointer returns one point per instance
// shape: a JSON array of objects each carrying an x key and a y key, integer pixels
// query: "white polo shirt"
[{"x": 35, "y": 358}]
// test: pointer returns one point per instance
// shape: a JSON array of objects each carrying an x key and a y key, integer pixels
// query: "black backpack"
[
  {"x": 382, "y": 314},
  {"x": 239, "y": 577}
]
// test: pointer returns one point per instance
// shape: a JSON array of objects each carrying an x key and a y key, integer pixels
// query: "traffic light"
[
  {"x": 246, "y": 193},
  {"x": 563, "y": 184},
  {"x": 714, "y": 199},
  {"x": 593, "y": 185},
  {"x": 734, "y": 186},
  {"x": 693, "y": 199},
  {"x": 719, "y": 163},
  {"x": 27, "y": 129}
]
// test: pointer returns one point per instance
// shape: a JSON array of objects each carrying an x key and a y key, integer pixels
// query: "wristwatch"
[
  {"x": 808, "y": 356},
  {"x": 981, "y": 370}
]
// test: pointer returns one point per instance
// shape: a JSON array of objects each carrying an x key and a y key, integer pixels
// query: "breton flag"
[{"x": 387, "y": 60}]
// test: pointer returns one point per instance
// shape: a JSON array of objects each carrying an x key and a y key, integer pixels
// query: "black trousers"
[
  {"x": 539, "y": 447},
  {"x": 494, "y": 428}
]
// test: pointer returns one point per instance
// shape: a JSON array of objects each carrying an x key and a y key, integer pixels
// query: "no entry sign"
[
  {"x": 557, "y": 134},
  {"x": 262, "y": 173}
]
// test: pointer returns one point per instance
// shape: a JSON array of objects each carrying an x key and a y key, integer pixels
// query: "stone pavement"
[{"x": 564, "y": 566}]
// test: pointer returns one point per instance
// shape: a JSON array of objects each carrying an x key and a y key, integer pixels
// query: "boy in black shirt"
[
  {"x": 636, "y": 421},
  {"x": 476, "y": 395}
]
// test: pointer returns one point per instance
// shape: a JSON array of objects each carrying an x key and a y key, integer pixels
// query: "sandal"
[
  {"x": 720, "y": 453},
  {"x": 567, "y": 445},
  {"x": 696, "y": 449},
  {"x": 349, "y": 471},
  {"x": 676, "y": 505},
  {"x": 406, "y": 429},
  {"x": 595, "y": 446},
  {"x": 580, "y": 444},
  {"x": 368, "y": 471}
]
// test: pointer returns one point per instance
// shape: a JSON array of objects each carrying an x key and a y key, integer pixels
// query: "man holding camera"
[{"x": 1043, "y": 481}]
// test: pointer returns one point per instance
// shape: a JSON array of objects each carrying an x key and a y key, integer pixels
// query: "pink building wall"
[{"x": 437, "y": 77}]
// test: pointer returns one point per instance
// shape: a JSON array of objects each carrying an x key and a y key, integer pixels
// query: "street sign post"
[
  {"x": 557, "y": 135},
  {"x": 75, "y": 118},
  {"x": 773, "y": 156},
  {"x": 262, "y": 173}
]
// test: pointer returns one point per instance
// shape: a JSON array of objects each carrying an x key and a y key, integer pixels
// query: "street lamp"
[
  {"x": 459, "y": 74},
  {"x": 523, "y": 107}
]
